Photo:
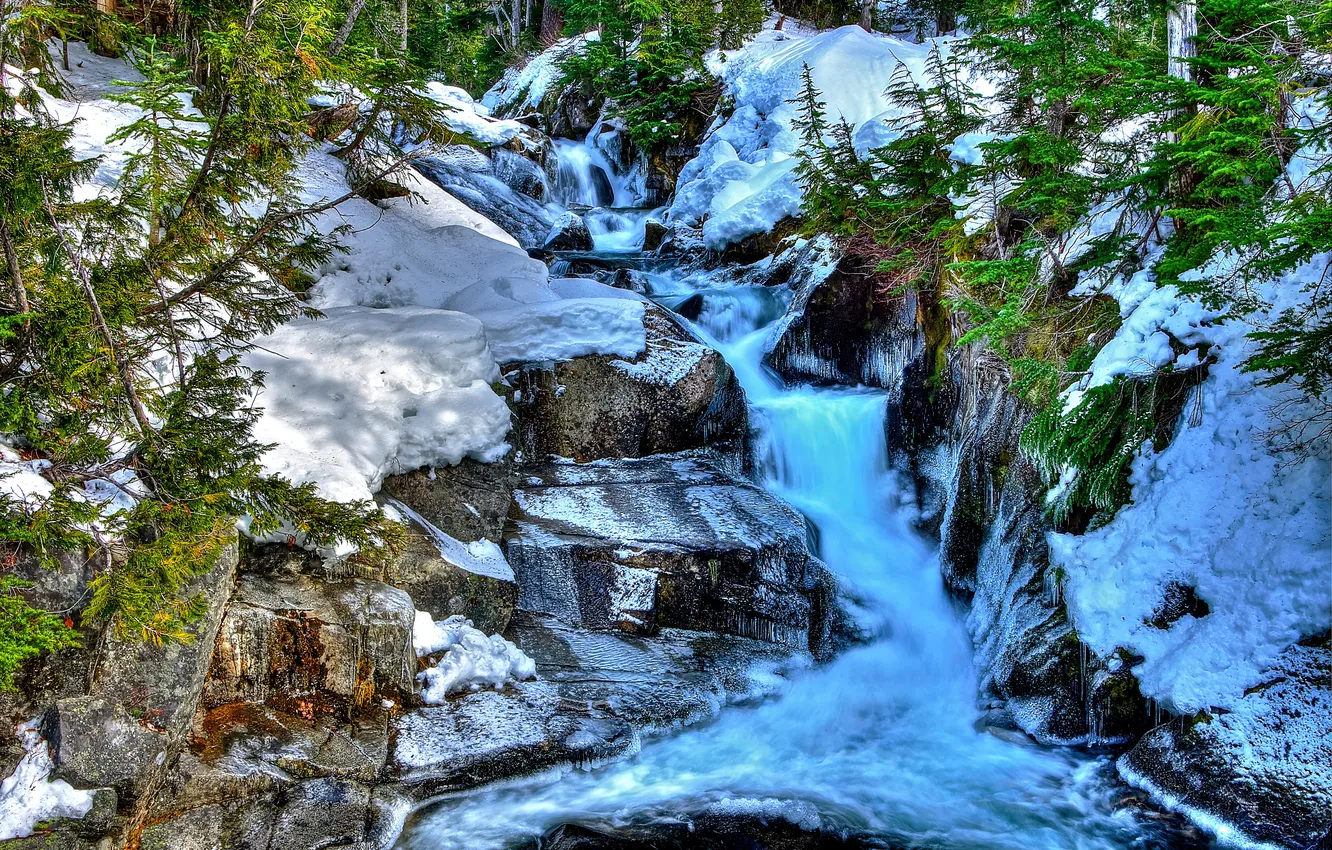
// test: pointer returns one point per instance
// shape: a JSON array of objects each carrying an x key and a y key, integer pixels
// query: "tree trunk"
[
  {"x": 552, "y": 22},
  {"x": 867, "y": 15},
  {"x": 402, "y": 35},
  {"x": 1181, "y": 30},
  {"x": 106, "y": 7},
  {"x": 348, "y": 24},
  {"x": 945, "y": 22}
]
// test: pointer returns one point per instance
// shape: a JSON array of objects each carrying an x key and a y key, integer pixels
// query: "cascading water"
[
  {"x": 882, "y": 739},
  {"x": 586, "y": 179}
]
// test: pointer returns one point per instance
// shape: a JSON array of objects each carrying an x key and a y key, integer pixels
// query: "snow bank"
[
  {"x": 1219, "y": 510},
  {"x": 28, "y": 798},
  {"x": 523, "y": 89},
  {"x": 471, "y": 659},
  {"x": 481, "y": 557},
  {"x": 362, "y": 394},
  {"x": 472, "y": 119},
  {"x": 741, "y": 183}
]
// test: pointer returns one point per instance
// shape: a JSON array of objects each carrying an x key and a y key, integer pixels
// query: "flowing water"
[{"x": 882, "y": 739}]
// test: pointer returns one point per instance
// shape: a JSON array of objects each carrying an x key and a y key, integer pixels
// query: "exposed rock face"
[
  {"x": 669, "y": 540},
  {"x": 1264, "y": 768},
  {"x": 469, "y": 501},
  {"x": 704, "y": 832},
  {"x": 840, "y": 328},
  {"x": 679, "y": 394},
  {"x": 309, "y": 645},
  {"x": 593, "y": 693}
]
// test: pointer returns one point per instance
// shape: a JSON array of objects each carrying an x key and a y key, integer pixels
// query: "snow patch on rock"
[
  {"x": 471, "y": 660},
  {"x": 28, "y": 797}
]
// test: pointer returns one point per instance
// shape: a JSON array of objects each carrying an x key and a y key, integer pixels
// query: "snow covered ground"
[{"x": 29, "y": 797}]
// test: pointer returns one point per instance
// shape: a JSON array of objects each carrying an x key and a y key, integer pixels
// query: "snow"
[
  {"x": 1220, "y": 509},
  {"x": 28, "y": 797},
  {"x": 742, "y": 181},
  {"x": 471, "y": 660},
  {"x": 472, "y": 119},
  {"x": 523, "y": 89},
  {"x": 481, "y": 557},
  {"x": 362, "y": 394}
]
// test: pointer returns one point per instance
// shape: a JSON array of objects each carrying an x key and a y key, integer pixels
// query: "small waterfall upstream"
[
  {"x": 587, "y": 181},
  {"x": 883, "y": 738}
]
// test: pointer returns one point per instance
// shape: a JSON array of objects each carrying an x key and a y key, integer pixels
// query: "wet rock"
[
  {"x": 519, "y": 173},
  {"x": 705, "y": 832},
  {"x": 312, "y": 646},
  {"x": 1263, "y": 768},
  {"x": 1180, "y": 600},
  {"x": 470, "y": 176},
  {"x": 654, "y": 234},
  {"x": 842, "y": 327},
  {"x": 668, "y": 540},
  {"x": 569, "y": 233},
  {"x": 679, "y": 394}
]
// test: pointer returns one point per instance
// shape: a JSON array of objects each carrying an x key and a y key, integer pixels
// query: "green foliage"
[
  {"x": 25, "y": 631},
  {"x": 648, "y": 62},
  {"x": 202, "y": 245},
  {"x": 1085, "y": 453}
]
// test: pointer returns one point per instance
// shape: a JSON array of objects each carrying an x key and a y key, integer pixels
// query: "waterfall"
[
  {"x": 884, "y": 737},
  {"x": 585, "y": 179}
]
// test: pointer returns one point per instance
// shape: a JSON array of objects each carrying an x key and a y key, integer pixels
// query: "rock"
[
  {"x": 469, "y": 501},
  {"x": 709, "y": 831},
  {"x": 1263, "y": 768},
  {"x": 444, "y": 588},
  {"x": 630, "y": 279},
  {"x": 654, "y": 234},
  {"x": 569, "y": 233},
  {"x": 679, "y": 394},
  {"x": 668, "y": 540},
  {"x": 470, "y": 176},
  {"x": 310, "y": 646},
  {"x": 841, "y": 328},
  {"x": 161, "y": 684},
  {"x": 489, "y": 735},
  {"x": 141, "y": 699},
  {"x": 321, "y": 813},
  {"x": 97, "y": 743},
  {"x": 519, "y": 173},
  {"x": 594, "y": 691}
]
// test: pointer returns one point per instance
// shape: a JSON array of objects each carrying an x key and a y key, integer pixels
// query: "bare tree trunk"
[
  {"x": 1181, "y": 30},
  {"x": 867, "y": 15},
  {"x": 552, "y": 22},
  {"x": 402, "y": 35},
  {"x": 516, "y": 26},
  {"x": 348, "y": 24},
  {"x": 106, "y": 7}
]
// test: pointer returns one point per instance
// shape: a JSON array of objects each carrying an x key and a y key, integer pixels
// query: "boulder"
[
  {"x": 664, "y": 541},
  {"x": 1263, "y": 767},
  {"x": 141, "y": 700},
  {"x": 312, "y": 646},
  {"x": 98, "y": 744},
  {"x": 569, "y": 233},
  {"x": 678, "y": 394},
  {"x": 842, "y": 325},
  {"x": 469, "y": 501},
  {"x": 654, "y": 234}
]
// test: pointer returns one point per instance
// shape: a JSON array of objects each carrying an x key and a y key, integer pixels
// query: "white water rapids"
[{"x": 880, "y": 739}]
